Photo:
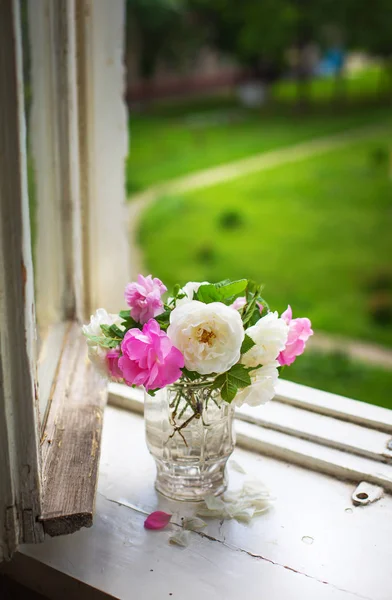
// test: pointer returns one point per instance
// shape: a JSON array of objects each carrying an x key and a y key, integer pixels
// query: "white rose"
[
  {"x": 101, "y": 317},
  {"x": 208, "y": 335},
  {"x": 262, "y": 389},
  {"x": 270, "y": 337},
  {"x": 189, "y": 290},
  {"x": 96, "y": 354}
]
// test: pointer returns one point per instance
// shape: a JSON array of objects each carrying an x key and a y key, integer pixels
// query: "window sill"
[
  {"x": 306, "y": 427},
  {"x": 117, "y": 556}
]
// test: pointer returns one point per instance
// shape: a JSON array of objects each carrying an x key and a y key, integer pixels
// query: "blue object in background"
[{"x": 332, "y": 62}]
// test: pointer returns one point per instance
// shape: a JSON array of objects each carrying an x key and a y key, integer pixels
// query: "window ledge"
[
  {"x": 293, "y": 428},
  {"x": 313, "y": 543}
]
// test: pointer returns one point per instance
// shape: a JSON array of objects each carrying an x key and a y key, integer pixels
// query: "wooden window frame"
[{"x": 49, "y": 465}]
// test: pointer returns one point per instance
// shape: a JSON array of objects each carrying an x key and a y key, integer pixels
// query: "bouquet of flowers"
[{"x": 222, "y": 336}]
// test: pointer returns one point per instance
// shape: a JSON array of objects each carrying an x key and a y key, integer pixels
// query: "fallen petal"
[
  {"x": 255, "y": 488},
  {"x": 206, "y": 512},
  {"x": 181, "y": 538},
  {"x": 237, "y": 467},
  {"x": 193, "y": 523},
  {"x": 245, "y": 515},
  {"x": 214, "y": 502},
  {"x": 157, "y": 520}
]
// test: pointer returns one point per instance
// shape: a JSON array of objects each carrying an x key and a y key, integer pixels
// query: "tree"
[
  {"x": 256, "y": 34},
  {"x": 161, "y": 30}
]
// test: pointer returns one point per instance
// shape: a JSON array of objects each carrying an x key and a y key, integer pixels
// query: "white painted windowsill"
[{"x": 312, "y": 544}]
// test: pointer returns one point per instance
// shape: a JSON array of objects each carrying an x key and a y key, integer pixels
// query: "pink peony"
[
  {"x": 112, "y": 357},
  {"x": 144, "y": 298},
  {"x": 149, "y": 358},
  {"x": 300, "y": 331}
]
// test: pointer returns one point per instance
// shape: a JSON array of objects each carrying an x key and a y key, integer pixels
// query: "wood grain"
[
  {"x": 72, "y": 439},
  {"x": 19, "y": 436}
]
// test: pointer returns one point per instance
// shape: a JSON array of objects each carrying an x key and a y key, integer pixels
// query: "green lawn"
[
  {"x": 164, "y": 146},
  {"x": 355, "y": 87},
  {"x": 317, "y": 233},
  {"x": 338, "y": 374}
]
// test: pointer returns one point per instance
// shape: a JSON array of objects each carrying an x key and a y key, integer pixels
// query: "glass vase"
[{"x": 189, "y": 432}]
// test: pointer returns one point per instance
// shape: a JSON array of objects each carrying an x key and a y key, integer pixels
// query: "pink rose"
[
  {"x": 144, "y": 298},
  {"x": 240, "y": 303},
  {"x": 112, "y": 357},
  {"x": 300, "y": 331},
  {"x": 149, "y": 358}
]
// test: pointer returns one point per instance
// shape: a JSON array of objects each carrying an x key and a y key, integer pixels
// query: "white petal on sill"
[
  {"x": 214, "y": 502},
  {"x": 251, "y": 500},
  {"x": 237, "y": 467},
  {"x": 260, "y": 511},
  {"x": 230, "y": 496},
  {"x": 245, "y": 515},
  {"x": 255, "y": 488},
  {"x": 203, "y": 511},
  {"x": 193, "y": 523},
  {"x": 180, "y": 538}
]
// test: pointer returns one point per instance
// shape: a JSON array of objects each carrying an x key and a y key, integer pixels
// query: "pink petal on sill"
[{"x": 157, "y": 520}]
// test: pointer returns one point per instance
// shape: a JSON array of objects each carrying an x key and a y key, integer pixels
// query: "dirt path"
[
  {"x": 367, "y": 352},
  {"x": 253, "y": 164}
]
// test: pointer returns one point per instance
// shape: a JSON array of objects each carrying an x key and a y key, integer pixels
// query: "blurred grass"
[
  {"x": 317, "y": 233},
  {"x": 162, "y": 150},
  {"x": 371, "y": 82},
  {"x": 338, "y": 374}
]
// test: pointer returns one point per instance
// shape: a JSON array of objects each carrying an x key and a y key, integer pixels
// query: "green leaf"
[
  {"x": 227, "y": 388},
  {"x": 125, "y": 314},
  {"x": 264, "y": 303},
  {"x": 130, "y": 323},
  {"x": 207, "y": 293},
  {"x": 163, "y": 317},
  {"x": 222, "y": 283},
  {"x": 112, "y": 331},
  {"x": 104, "y": 342},
  {"x": 106, "y": 330},
  {"x": 251, "y": 311},
  {"x": 220, "y": 292},
  {"x": 176, "y": 290},
  {"x": 247, "y": 344},
  {"x": 153, "y": 392},
  {"x": 191, "y": 375},
  {"x": 116, "y": 332},
  {"x": 234, "y": 288},
  {"x": 228, "y": 391},
  {"x": 229, "y": 382},
  {"x": 251, "y": 290},
  {"x": 239, "y": 375}
]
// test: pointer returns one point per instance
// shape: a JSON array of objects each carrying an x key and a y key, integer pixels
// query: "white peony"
[
  {"x": 189, "y": 290},
  {"x": 208, "y": 335},
  {"x": 96, "y": 354},
  {"x": 270, "y": 337},
  {"x": 262, "y": 389}
]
